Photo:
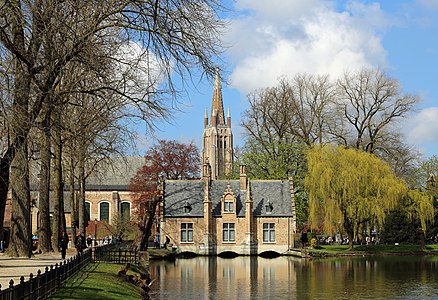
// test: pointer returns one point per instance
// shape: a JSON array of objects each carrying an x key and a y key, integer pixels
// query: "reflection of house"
[{"x": 211, "y": 216}]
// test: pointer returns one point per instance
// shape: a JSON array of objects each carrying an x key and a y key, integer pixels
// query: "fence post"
[
  {"x": 38, "y": 284},
  {"x": 31, "y": 286}
]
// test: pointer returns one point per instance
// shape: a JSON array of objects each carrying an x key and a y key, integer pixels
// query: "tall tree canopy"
[
  {"x": 361, "y": 110},
  {"x": 165, "y": 160},
  {"x": 348, "y": 188},
  {"x": 42, "y": 41}
]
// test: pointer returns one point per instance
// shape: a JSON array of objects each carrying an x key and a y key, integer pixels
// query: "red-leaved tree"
[{"x": 165, "y": 160}]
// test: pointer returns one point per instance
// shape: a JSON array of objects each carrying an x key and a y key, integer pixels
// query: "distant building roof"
[
  {"x": 116, "y": 172},
  {"x": 113, "y": 174},
  {"x": 180, "y": 193}
]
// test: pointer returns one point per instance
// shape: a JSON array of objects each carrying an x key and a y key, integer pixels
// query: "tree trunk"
[
  {"x": 21, "y": 237},
  {"x": 58, "y": 190},
  {"x": 44, "y": 230},
  {"x": 81, "y": 198},
  {"x": 349, "y": 228},
  {"x": 73, "y": 215},
  {"x": 145, "y": 231},
  {"x": 422, "y": 239},
  {"x": 4, "y": 188}
]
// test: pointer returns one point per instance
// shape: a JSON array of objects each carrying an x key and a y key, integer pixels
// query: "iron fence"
[
  {"x": 111, "y": 254},
  {"x": 45, "y": 284}
]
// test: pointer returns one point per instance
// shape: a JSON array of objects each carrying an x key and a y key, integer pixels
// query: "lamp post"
[{"x": 95, "y": 232}]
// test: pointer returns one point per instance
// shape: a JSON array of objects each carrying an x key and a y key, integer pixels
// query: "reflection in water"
[{"x": 389, "y": 277}]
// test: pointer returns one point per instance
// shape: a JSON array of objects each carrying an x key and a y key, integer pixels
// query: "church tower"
[{"x": 217, "y": 140}]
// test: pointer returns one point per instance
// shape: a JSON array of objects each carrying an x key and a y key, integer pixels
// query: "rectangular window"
[
  {"x": 228, "y": 232},
  {"x": 228, "y": 206},
  {"x": 186, "y": 232},
  {"x": 268, "y": 232},
  {"x": 104, "y": 211}
]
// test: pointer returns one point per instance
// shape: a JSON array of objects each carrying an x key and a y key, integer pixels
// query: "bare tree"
[
  {"x": 44, "y": 38},
  {"x": 371, "y": 102},
  {"x": 283, "y": 118}
]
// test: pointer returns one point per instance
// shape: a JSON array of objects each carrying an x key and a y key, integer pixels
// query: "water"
[{"x": 388, "y": 277}]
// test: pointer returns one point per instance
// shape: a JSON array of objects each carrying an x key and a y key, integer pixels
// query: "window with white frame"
[
  {"x": 87, "y": 211},
  {"x": 125, "y": 210},
  {"x": 228, "y": 206},
  {"x": 186, "y": 232},
  {"x": 268, "y": 232},
  {"x": 228, "y": 232},
  {"x": 104, "y": 211}
]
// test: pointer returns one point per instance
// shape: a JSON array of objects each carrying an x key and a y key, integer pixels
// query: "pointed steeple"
[
  {"x": 229, "y": 117},
  {"x": 205, "y": 118},
  {"x": 217, "y": 139},
  {"x": 217, "y": 103}
]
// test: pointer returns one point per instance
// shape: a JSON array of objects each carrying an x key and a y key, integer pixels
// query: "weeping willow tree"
[
  {"x": 419, "y": 205},
  {"x": 348, "y": 188}
]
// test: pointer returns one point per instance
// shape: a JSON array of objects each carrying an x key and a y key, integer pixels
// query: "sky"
[{"x": 286, "y": 37}]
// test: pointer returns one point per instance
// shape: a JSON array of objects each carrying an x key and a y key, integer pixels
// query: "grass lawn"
[
  {"x": 98, "y": 281},
  {"x": 343, "y": 249}
]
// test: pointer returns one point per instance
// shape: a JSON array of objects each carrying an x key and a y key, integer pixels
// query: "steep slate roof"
[
  {"x": 109, "y": 175},
  {"x": 112, "y": 175},
  {"x": 179, "y": 193},
  {"x": 115, "y": 174},
  {"x": 67, "y": 207}
]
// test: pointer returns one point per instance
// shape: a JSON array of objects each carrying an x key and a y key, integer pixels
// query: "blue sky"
[{"x": 321, "y": 37}]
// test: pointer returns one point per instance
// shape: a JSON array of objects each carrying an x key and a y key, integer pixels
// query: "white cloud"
[
  {"x": 423, "y": 127},
  {"x": 289, "y": 37}
]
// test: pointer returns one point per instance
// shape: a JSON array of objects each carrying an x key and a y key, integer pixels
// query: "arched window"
[
  {"x": 104, "y": 211},
  {"x": 125, "y": 210},
  {"x": 87, "y": 211}
]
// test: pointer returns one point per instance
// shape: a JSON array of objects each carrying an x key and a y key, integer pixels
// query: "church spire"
[
  {"x": 217, "y": 103},
  {"x": 217, "y": 140}
]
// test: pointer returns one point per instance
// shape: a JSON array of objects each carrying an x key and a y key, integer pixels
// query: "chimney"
[
  {"x": 243, "y": 179},
  {"x": 206, "y": 170}
]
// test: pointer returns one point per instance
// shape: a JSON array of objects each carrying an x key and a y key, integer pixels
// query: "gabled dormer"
[{"x": 228, "y": 201}]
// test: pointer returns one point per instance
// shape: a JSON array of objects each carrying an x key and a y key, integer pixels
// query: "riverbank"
[
  {"x": 162, "y": 253},
  {"x": 330, "y": 251},
  {"x": 342, "y": 250}
]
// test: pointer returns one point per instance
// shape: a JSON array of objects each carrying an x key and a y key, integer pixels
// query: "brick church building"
[{"x": 214, "y": 215}]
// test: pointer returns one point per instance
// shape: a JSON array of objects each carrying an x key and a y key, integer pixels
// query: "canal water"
[{"x": 383, "y": 277}]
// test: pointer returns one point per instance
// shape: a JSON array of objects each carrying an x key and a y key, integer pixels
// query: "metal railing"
[
  {"x": 111, "y": 254},
  {"x": 45, "y": 284}
]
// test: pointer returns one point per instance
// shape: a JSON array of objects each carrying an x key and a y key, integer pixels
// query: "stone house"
[{"x": 215, "y": 216}]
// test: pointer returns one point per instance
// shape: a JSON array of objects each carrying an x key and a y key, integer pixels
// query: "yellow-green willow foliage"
[
  {"x": 419, "y": 205},
  {"x": 347, "y": 188}
]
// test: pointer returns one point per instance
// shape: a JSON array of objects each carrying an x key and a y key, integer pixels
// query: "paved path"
[{"x": 14, "y": 268}]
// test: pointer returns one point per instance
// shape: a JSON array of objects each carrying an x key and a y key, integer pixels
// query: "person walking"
[
  {"x": 167, "y": 242},
  {"x": 304, "y": 239},
  {"x": 80, "y": 243},
  {"x": 63, "y": 244},
  {"x": 89, "y": 240}
]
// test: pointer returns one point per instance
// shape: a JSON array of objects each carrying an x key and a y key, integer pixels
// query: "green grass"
[{"x": 98, "y": 281}]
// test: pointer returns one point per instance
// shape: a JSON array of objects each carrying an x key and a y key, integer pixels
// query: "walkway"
[{"x": 14, "y": 268}]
